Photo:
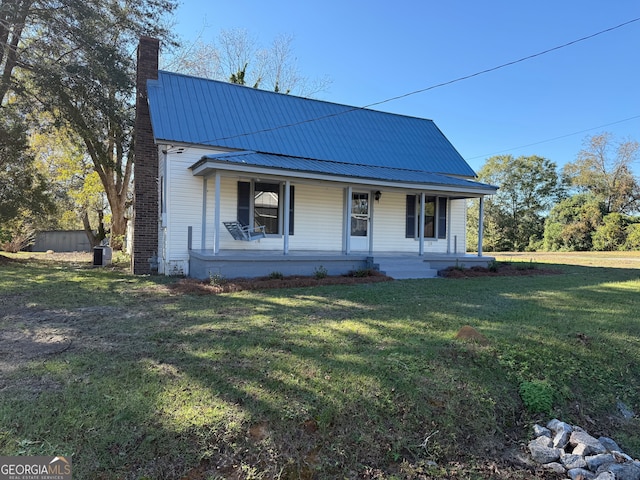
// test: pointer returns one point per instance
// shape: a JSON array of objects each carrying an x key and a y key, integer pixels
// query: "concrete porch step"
[{"x": 404, "y": 267}]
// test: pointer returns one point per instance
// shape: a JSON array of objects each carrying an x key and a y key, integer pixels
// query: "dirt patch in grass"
[
  {"x": 203, "y": 287},
  {"x": 30, "y": 334},
  {"x": 76, "y": 260},
  {"x": 499, "y": 269}
]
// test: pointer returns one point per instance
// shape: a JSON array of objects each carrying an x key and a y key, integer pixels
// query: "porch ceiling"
[{"x": 295, "y": 167}]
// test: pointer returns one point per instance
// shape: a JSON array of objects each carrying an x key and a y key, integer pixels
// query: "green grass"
[{"x": 326, "y": 382}]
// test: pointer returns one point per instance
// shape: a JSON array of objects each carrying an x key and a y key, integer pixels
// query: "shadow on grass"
[{"x": 317, "y": 383}]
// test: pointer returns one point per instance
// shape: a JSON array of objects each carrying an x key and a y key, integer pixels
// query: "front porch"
[{"x": 204, "y": 264}]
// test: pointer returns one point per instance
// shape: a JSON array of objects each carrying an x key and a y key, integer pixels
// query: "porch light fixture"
[{"x": 377, "y": 195}]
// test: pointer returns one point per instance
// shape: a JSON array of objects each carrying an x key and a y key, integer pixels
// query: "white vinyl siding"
[
  {"x": 457, "y": 220},
  {"x": 389, "y": 226},
  {"x": 183, "y": 199},
  {"x": 318, "y": 216},
  {"x": 389, "y": 223},
  {"x": 317, "y": 219}
]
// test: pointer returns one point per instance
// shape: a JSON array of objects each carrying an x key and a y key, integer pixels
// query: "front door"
[{"x": 360, "y": 221}]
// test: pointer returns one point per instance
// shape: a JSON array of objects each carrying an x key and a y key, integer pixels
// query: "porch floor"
[{"x": 399, "y": 265}]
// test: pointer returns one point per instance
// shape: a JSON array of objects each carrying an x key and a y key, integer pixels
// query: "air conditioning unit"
[{"x": 102, "y": 256}]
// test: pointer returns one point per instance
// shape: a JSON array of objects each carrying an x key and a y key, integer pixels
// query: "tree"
[
  {"x": 13, "y": 20},
  {"x": 79, "y": 194},
  {"x": 235, "y": 56},
  {"x": 604, "y": 168},
  {"x": 73, "y": 59},
  {"x": 22, "y": 187},
  {"x": 24, "y": 191},
  {"x": 571, "y": 223},
  {"x": 632, "y": 241},
  {"x": 514, "y": 216},
  {"x": 612, "y": 234}
]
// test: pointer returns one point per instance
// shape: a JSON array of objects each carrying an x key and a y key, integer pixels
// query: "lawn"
[{"x": 137, "y": 381}]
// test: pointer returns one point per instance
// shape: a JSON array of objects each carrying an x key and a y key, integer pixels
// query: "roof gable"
[{"x": 207, "y": 112}]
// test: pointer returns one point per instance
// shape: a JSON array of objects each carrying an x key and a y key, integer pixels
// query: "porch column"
[
  {"x": 371, "y": 212},
  {"x": 480, "y": 225},
  {"x": 287, "y": 213},
  {"x": 449, "y": 225},
  {"x": 203, "y": 233},
  {"x": 347, "y": 220},
  {"x": 421, "y": 226},
  {"x": 216, "y": 217}
]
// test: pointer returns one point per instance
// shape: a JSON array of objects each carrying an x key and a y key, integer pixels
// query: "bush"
[
  {"x": 458, "y": 266},
  {"x": 571, "y": 223},
  {"x": 362, "y": 272},
  {"x": 633, "y": 237},
  {"x": 535, "y": 244},
  {"x": 537, "y": 396},
  {"x": 16, "y": 235},
  {"x": 120, "y": 257},
  {"x": 611, "y": 235},
  {"x": 526, "y": 266},
  {"x": 320, "y": 272},
  {"x": 216, "y": 279}
]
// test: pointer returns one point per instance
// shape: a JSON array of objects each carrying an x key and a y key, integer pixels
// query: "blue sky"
[{"x": 374, "y": 50}]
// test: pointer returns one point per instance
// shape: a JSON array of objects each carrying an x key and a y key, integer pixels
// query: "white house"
[{"x": 237, "y": 181}]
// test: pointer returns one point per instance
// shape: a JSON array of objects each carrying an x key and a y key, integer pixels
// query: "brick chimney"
[{"x": 145, "y": 152}]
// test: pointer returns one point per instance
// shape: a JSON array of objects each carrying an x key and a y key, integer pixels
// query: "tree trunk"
[
  {"x": 119, "y": 222},
  {"x": 94, "y": 240},
  {"x": 9, "y": 54}
]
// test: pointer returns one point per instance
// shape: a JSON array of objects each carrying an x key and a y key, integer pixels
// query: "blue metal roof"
[
  {"x": 370, "y": 172},
  {"x": 206, "y": 112}
]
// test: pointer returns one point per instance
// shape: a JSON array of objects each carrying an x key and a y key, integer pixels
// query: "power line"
[
  {"x": 508, "y": 64},
  {"x": 438, "y": 85},
  {"x": 555, "y": 138}
]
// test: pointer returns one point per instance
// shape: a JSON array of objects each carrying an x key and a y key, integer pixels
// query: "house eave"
[{"x": 208, "y": 166}]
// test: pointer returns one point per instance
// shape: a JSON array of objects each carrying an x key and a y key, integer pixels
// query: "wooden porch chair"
[{"x": 244, "y": 232}]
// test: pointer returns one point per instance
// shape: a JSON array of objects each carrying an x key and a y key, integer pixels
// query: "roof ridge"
[{"x": 327, "y": 102}]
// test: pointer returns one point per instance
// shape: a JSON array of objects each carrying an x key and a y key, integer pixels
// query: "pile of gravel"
[{"x": 570, "y": 450}]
